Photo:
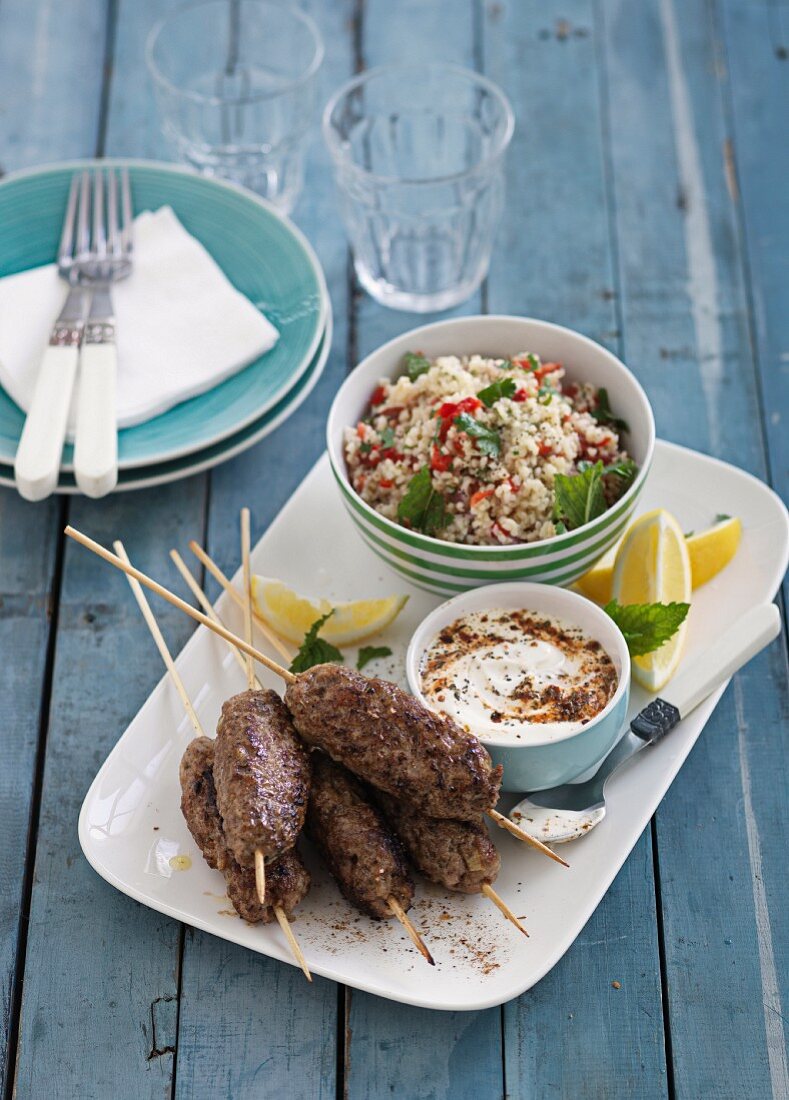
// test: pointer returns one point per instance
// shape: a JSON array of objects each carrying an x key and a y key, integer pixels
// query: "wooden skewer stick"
[
  {"x": 176, "y": 601},
  {"x": 260, "y": 862},
  {"x": 260, "y": 876},
  {"x": 206, "y": 605},
  {"x": 489, "y": 892},
  {"x": 245, "y": 551},
  {"x": 161, "y": 645},
  {"x": 233, "y": 592},
  {"x": 405, "y": 920},
  {"x": 505, "y": 823}
]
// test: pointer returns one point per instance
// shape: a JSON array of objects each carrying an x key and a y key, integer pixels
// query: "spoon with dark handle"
[{"x": 565, "y": 813}]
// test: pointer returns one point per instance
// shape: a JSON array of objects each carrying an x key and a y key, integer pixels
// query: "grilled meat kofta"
[
  {"x": 287, "y": 880},
  {"x": 363, "y": 855},
  {"x": 458, "y": 855},
  {"x": 390, "y": 740},
  {"x": 262, "y": 776}
]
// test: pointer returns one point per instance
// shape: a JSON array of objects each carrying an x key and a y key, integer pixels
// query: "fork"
[
  {"x": 37, "y": 461},
  {"x": 108, "y": 260}
]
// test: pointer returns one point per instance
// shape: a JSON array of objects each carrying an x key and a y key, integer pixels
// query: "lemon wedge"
[
  {"x": 653, "y": 565},
  {"x": 291, "y": 615},
  {"x": 710, "y": 551}
]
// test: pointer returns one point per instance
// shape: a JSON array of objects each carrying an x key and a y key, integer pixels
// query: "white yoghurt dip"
[{"x": 513, "y": 675}]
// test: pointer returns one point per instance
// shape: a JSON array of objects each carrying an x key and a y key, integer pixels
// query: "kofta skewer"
[
  {"x": 267, "y": 662},
  {"x": 458, "y": 855},
  {"x": 289, "y": 879},
  {"x": 164, "y": 651},
  {"x": 364, "y": 856}
]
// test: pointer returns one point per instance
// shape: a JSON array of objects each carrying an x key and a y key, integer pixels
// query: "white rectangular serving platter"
[{"x": 130, "y": 827}]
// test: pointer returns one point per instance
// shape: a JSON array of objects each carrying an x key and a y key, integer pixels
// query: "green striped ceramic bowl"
[{"x": 447, "y": 568}]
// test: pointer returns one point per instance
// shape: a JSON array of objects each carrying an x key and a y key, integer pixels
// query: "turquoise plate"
[
  {"x": 187, "y": 465},
  {"x": 263, "y": 255}
]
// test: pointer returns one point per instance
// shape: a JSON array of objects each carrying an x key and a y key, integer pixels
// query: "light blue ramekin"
[
  {"x": 541, "y": 762},
  {"x": 447, "y": 567}
]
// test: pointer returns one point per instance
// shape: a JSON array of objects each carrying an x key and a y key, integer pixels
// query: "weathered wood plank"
[
  {"x": 43, "y": 116},
  {"x": 101, "y": 974},
  {"x": 113, "y": 980},
  {"x": 392, "y": 1049},
  {"x": 574, "y": 1034},
  {"x": 721, "y": 830},
  {"x": 278, "y": 1035},
  {"x": 756, "y": 53}
]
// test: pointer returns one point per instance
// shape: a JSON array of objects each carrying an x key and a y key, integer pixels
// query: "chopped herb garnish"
[
  {"x": 496, "y": 390},
  {"x": 625, "y": 469},
  {"x": 647, "y": 626},
  {"x": 534, "y": 362},
  {"x": 560, "y": 527},
  {"x": 721, "y": 517},
  {"x": 603, "y": 413},
  {"x": 579, "y": 498},
  {"x": 422, "y": 508},
  {"x": 415, "y": 365},
  {"x": 365, "y": 447},
  {"x": 689, "y": 534},
  {"x": 315, "y": 650},
  {"x": 387, "y": 438},
  {"x": 488, "y": 440},
  {"x": 545, "y": 394},
  {"x": 369, "y": 653}
]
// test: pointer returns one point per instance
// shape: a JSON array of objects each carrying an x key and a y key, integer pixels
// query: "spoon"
[{"x": 564, "y": 813}]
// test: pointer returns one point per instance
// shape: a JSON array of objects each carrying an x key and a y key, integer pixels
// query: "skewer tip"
[
  {"x": 501, "y": 905},
  {"x": 405, "y": 920},
  {"x": 520, "y": 834}
]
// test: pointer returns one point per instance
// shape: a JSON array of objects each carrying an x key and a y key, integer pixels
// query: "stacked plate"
[{"x": 263, "y": 255}]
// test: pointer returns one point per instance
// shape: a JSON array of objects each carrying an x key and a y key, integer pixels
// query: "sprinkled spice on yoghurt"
[{"x": 516, "y": 674}]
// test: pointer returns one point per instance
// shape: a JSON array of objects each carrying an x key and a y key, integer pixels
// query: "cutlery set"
[{"x": 95, "y": 251}]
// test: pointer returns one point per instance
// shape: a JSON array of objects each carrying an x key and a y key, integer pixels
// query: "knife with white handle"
[{"x": 37, "y": 462}]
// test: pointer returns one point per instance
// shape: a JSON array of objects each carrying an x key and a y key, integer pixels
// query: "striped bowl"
[{"x": 445, "y": 567}]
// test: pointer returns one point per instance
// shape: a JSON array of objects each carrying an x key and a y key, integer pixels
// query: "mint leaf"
[
  {"x": 647, "y": 626},
  {"x": 488, "y": 440},
  {"x": 491, "y": 394},
  {"x": 415, "y": 365},
  {"x": 369, "y": 653},
  {"x": 579, "y": 498},
  {"x": 315, "y": 650},
  {"x": 625, "y": 469},
  {"x": 603, "y": 413},
  {"x": 422, "y": 508}
]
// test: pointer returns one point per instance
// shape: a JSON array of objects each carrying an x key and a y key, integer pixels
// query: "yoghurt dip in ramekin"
[{"x": 540, "y": 674}]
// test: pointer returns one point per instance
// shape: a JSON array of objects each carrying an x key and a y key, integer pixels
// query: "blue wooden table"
[{"x": 647, "y": 208}]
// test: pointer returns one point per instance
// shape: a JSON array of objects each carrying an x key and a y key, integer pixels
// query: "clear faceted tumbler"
[
  {"x": 418, "y": 156},
  {"x": 235, "y": 85}
]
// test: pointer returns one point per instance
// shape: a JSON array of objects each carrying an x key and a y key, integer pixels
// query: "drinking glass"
[
  {"x": 235, "y": 84},
  {"x": 418, "y": 156}
]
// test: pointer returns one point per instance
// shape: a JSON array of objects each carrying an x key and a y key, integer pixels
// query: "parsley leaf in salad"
[
  {"x": 369, "y": 653},
  {"x": 506, "y": 387},
  {"x": 488, "y": 440},
  {"x": 314, "y": 650},
  {"x": 422, "y": 508},
  {"x": 415, "y": 365},
  {"x": 603, "y": 413},
  {"x": 647, "y": 626},
  {"x": 387, "y": 438}
]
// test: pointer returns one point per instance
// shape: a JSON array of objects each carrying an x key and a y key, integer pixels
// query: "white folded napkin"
[{"x": 181, "y": 327}]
